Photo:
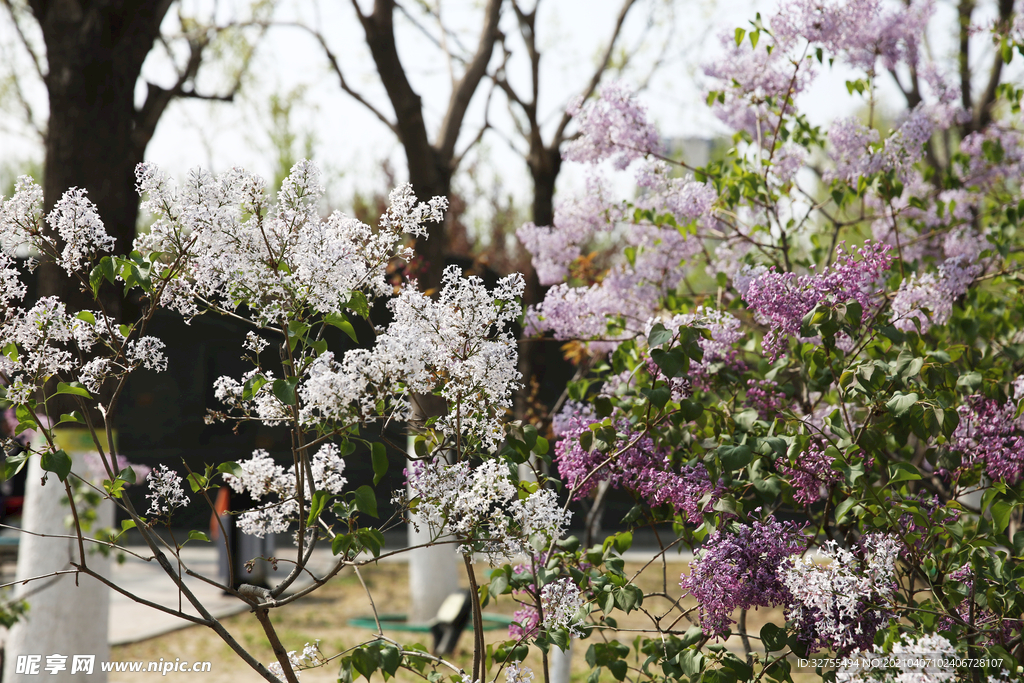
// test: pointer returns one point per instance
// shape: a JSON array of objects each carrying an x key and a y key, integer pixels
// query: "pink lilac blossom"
[
  {"x": 965, "y": 243},
  {"x": 788, "y": 159},
  {"x": 614, "y": 126},
  {"x": 755, "y": 82},
  {"x": 840, "y": 605},
  {"x": 641, "y": 468},
  {"x": 812, "y": 474},
  {"x": 740, "y": 570},
  {"x": 853, "y": 149},
  {"x": 577, "y": 221},
  {"x": 781, "y": 300},
  {"x": 928, "y": 300},
  {"x": 859, "y": 31},
  {"x": 685, "y": 198},
  {"x": 992, "y": 156},
  {"x": 581, "y": 413},
  {"x": 989, "y": 435}
]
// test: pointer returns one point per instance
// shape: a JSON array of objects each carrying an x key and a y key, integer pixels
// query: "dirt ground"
[{"x": 324, "y": 615}]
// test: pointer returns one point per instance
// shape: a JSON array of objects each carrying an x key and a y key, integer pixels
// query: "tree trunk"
[
  {"x": 544, "y": 163},
  {"x": 95, "y": 54}
]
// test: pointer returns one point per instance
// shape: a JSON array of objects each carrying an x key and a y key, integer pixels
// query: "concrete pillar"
[
  {"x": 433, "y": 572},
  {"x": 63, "y": 620}
]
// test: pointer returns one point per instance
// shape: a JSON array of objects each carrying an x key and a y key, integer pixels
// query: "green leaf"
[
  {"x": 1001, "y": 515},
  {"x": 499, "y": 581},
  {"x": 365, "y": 660},
  {"x": 900, "y": 403},
  {"x": 658, "y": 336},
  {"x": 197, "y": 481},
  {"x": 658, "y": 397},
  {"x": 366, "y": 501},
  {"x": 903, "y": 471},
  {"x": 341, "y": 322},
  {"x": 86, "y": 316},
  {"x": 390, "y": 659},
  {"x": 316, "y": 506},
  {"x": 372, "y": 539},
  {"x": 104, "y": 270},
  {"x": 14, "y": 463},
  {"x": 127, "y": 524},
  {"x": 74, "y": 388},
  {"x": 74, "y": 416},
  {"x": 284, "y": 390},
  {"x": 773, "y": 637},
  {"x": 843, "y": 508},
  {"x": 674, "y": 363},
  {"x": 232, "y": 468},
  {"x": 735, "y": 457},
  {"x": 358, "y": 304},
  {"x": 127, "y": 475},
  {"x": 560, "y": 638},
  {"x": 739, "y": 36},
  {"x": 198, "y": 536},
  {"x": 379, "y": 457},
  {"x": 57, "y": 462}
]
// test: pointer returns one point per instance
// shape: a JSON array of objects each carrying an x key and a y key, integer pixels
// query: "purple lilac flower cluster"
[
  {"x": 641, "y": 468},
  {"x": 859, "y": 31},
  {"x": 741, "y": 570},
  {"x": 928, "y": 300},
  {"x": 719, "y": 351},
  {"x": 781, "y": 300},
  {"x": 614, "y": 126},
  {"x": 812, "y": 474},
  {"x": 995, "y": 631},
  {"x": 764, "y": 396},
  {"x": 990, "y": 435}
]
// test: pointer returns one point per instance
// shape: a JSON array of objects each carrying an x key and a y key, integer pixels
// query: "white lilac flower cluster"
[
  {"x": 311, "y": 656},
  {"x": 261, "y": 478},
  {"x": 75, "y": 219},
  {"x": 516, "y": 673},
  {"x": 483, "y": 504},
  {"x": 236, "y": 249},
  {"x": 457, "y": 347},
  {"x": 839, "y": 602},
  {"x": 921, "y": 656},
  {"x": 562, "y": 603},
  {"x": 46, "y": 339},
  {"x": 165, "y": 492}
]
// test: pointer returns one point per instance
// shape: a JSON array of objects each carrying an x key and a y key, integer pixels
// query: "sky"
[{"x": 350, "y": 144}]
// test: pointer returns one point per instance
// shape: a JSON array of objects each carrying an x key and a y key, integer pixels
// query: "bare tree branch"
[
  {"x": 36, "y": 60},
  {"x": 342, "y": 81},
  {"x": 602, "y": 64},
  {"x": 463, "y": 92}
]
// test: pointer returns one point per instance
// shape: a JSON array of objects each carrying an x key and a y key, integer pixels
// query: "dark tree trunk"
[
  {"x": 431, "y": 165},
  {"x": 95, "y": 53},
  {"x": 531, "y": 404}
]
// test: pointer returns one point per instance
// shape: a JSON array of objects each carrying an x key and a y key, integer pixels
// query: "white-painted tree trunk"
[
  {"x": 560, "y": 663},
  {"x": 433, "y": 572},
  {"x": 62, "y": 619}
]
